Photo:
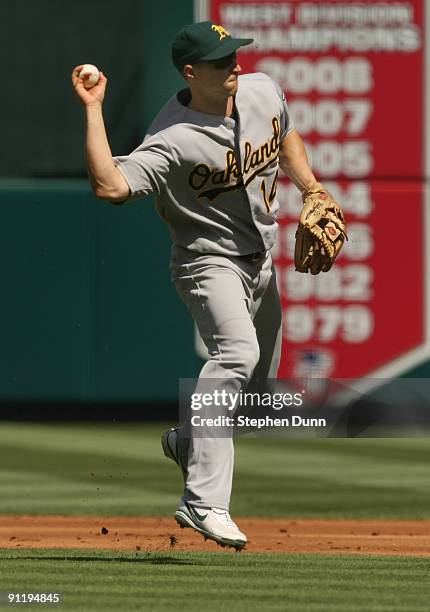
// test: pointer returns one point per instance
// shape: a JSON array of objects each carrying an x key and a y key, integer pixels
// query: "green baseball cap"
[{"x": 204, "y": 42}]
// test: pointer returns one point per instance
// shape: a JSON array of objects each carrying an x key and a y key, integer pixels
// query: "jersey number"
[{"x": 269, "y": 199}]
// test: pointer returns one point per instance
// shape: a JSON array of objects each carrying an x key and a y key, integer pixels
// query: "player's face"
[{"x": 218, "y": 78}]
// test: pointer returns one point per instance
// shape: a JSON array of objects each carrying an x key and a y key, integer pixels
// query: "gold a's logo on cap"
[{"x": 222, "y": 32}]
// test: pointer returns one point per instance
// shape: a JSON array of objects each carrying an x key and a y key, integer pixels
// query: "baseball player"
[{"x": 212, "y": 157}]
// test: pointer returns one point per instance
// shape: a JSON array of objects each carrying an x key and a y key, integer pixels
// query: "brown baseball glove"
[{"x": 321, "y": 232}]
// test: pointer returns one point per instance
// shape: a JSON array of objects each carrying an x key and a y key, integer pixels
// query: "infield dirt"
[{"x": 381, "y": 537}]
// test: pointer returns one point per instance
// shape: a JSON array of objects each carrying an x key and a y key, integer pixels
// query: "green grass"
[
  {"x": 211, "y": 582},
  {"x": 111, "y": 469}
]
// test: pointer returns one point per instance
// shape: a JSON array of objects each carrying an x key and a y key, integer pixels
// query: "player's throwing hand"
[{"x": 88, "y": 97}]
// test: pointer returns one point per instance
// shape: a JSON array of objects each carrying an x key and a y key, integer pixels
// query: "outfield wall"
[
  {"x": 88, "y": 308},
  {"x": 88, "y": 313}
]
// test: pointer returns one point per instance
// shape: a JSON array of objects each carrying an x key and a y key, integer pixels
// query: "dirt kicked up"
[{"x": 379, "y": 537}]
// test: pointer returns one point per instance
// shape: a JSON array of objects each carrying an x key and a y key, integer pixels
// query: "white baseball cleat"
[
  {"x": 212, "y": 523},
  {"x": 169, "y": 442}
]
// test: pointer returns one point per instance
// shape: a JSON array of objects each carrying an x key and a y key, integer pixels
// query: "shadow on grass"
[{"x": 90, "y": 559}]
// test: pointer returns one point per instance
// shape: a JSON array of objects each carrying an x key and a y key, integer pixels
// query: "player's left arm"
[
  {"x": 322, "y": 231},
  {"x": 294, "y": 162}
]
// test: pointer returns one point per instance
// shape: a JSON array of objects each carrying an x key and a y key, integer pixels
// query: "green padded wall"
[{"x": 88, "y": 311}]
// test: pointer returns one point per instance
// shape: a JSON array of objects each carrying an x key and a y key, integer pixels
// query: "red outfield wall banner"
[{"x": 353, "y": 75}]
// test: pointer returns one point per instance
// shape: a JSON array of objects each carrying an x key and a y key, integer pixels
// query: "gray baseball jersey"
[
  {"x": 215, "y": 181},
  {"x": 214, "y": 176}
]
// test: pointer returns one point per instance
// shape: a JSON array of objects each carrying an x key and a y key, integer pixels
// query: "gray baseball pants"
[{"x": 237, "y": 310}]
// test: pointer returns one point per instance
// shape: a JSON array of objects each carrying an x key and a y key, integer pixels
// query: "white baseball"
[{"x": 92, "y": 77}]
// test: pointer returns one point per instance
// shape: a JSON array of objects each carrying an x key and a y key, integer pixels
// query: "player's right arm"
[{"x": 106, "y": 180}]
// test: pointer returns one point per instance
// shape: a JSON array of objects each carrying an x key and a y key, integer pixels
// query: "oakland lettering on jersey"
[
  {"x": 257, "y": 159},
  {"x": 259, "y": 156},
  {"x": 202, "y": 173}
]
